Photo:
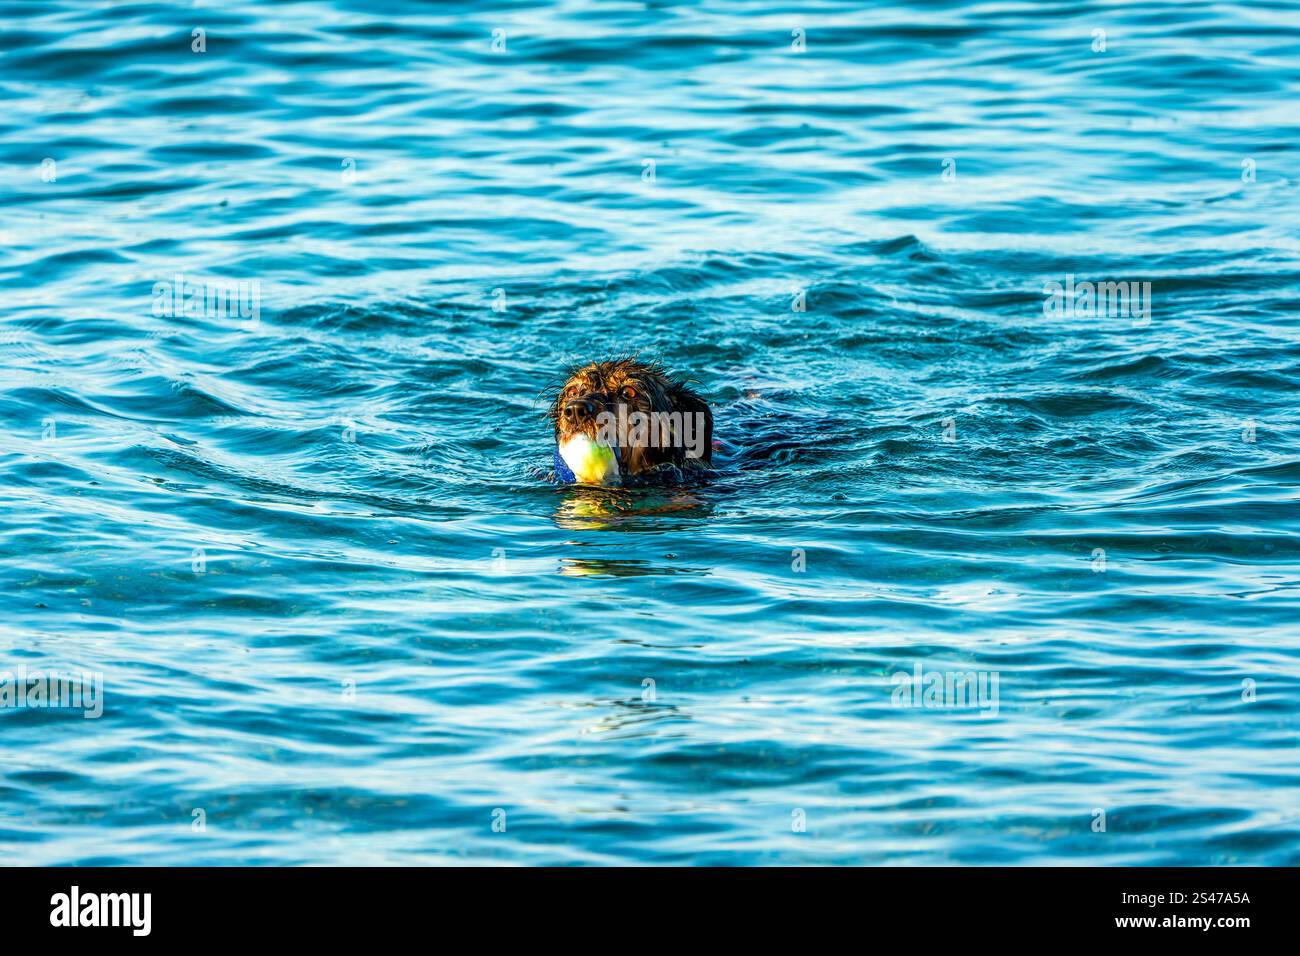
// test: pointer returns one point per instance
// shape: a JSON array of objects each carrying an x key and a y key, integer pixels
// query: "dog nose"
[{"x": 579, "y": 409}]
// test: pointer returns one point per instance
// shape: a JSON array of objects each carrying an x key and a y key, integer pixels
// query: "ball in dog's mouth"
[
  {"x": 627, "y": 421},
  {"x": 590, "y": 462}
]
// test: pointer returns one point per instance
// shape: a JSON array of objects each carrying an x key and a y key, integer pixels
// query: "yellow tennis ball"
[{"x": 591, "y": 464}]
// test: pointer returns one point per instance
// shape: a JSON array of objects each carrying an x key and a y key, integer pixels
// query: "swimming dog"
[{"x": 653, "y": 423}]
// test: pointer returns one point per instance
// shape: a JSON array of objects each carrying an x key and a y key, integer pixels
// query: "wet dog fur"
[{"x": 598, "y": 392}]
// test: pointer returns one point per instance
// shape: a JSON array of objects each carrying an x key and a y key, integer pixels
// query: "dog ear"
[
  {"x": 688, "y": 403},
  {"x": 643, "y": 458}
]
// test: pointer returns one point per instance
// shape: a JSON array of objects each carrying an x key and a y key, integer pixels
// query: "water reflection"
[
  {"x": 619, "y": 568},
  {"x": 616, "y": 509},
  {"x": 632, "y": 717},
  {"x": 584, "y": 508}
]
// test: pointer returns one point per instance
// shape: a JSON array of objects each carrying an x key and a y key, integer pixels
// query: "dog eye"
[{"x": 628, "y": 392}]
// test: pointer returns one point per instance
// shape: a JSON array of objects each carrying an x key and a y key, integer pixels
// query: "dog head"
[{"x": 648, "y": 416}]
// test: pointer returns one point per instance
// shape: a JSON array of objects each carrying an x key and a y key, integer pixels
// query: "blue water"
[{"x": 341, "y": 616}]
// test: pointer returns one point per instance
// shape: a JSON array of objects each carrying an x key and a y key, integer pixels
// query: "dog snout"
[{"x": 579, "y": 410}]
